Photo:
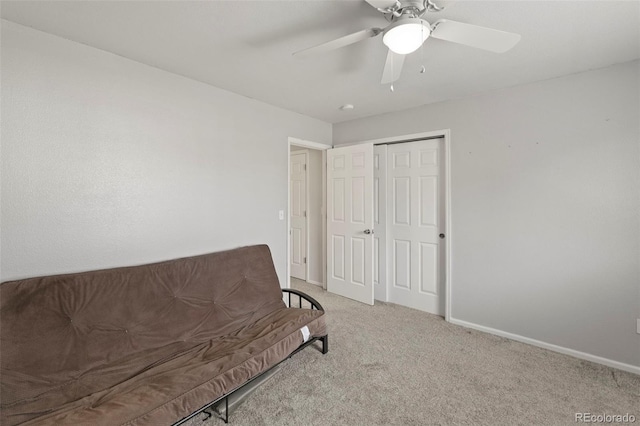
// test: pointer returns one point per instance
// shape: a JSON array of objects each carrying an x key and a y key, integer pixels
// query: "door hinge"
[
  {"x": 305, "y": 213},
  {"x": 305, "y": 260},
  {"x": 305, "y": 167}
]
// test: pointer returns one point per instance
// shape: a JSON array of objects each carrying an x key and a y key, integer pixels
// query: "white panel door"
[
  {"x": 350, "y": 222},
  {"x": 415, "y": 220},
  {"x": 380, "y": 222},
  {"x": 298, "y": 231}
]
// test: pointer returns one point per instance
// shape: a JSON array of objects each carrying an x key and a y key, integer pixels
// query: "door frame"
[
  {"x": 446, "y": 135},
  {"x": 320, "y": 147}
]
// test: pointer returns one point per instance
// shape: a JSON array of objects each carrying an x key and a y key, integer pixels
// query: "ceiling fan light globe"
[{"x": 407, "y": 36}]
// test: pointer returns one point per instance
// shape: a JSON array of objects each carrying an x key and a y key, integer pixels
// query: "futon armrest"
[{"x": 313, "y": 303}]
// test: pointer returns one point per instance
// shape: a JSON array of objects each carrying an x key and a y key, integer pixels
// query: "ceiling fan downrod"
[
  {"x": 417, "y": 7},
  {"x": 414, "y": 9}
]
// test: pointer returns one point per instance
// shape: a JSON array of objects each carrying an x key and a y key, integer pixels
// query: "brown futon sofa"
[{"x": 150, "y": 344}]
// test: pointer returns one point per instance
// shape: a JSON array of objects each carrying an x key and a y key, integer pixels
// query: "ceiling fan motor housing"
[{"x": 418, "y": 4}]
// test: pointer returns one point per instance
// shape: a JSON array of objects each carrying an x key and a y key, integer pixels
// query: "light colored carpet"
[{"x": 390, "y": 365}]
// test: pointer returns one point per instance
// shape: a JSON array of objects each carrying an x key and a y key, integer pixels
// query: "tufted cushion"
[{"x": 75, "y": 336}]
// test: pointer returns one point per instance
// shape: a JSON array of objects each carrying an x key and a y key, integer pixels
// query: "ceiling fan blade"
[
  {"x": 392, "y": 67},
  {"x": 474, "y": 36},
  {"x": 339, "y": 42},
  {"x": 382, "y": 4},
  {"x": 439, "y": 5}
]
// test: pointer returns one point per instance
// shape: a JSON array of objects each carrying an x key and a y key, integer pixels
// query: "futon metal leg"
[
  {"x": 226, "y": 410},
  {"x": 325, "y": 344},
  {"x": 206, "y": 413}
]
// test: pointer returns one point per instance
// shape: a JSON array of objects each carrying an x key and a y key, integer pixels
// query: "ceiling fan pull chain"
[
  {"x": 422, "y": 68},
  {"x": 391, "y": 87}
]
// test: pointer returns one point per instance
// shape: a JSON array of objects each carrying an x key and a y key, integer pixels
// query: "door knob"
[
  {"x": 368, "y": 231},
  {"x": 441, "y": 236}
]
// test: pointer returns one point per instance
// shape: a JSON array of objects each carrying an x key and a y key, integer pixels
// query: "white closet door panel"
[
  {"x": 350, "y": 260},
  {"x": 414, "y": 202},
  {"x": 380, "y": 221}
]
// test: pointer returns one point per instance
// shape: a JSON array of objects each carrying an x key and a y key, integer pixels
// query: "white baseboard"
[
  {"x": 572, "y": 352},
  {"x": 314, "y": 282}
]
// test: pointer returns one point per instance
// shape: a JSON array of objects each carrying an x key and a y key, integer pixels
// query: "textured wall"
[
  {"x": 108, "y": 162},
  {"x": 545, "y": 204}
]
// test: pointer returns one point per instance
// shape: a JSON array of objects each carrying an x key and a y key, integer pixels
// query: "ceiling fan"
[{"x": 407, "y": 31}]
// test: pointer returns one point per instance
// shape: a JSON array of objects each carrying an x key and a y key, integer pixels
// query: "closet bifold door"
[
  {"x": 350, "y": 228},
  {"x": 380, "y": 222},
  {"x": 415, "y": 219}
]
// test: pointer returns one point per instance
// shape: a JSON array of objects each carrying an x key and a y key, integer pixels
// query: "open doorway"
[
  {"x": 301, "y": 196},
  {"x": 307, "y": 212}
]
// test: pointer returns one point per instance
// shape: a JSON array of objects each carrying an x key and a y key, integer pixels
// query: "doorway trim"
[
  {"x": 446, "y": 135},
  {"x": 291, "y": 141}
]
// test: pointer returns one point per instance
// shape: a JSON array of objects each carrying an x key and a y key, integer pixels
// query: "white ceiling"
[{"x": 246, "y": 46}]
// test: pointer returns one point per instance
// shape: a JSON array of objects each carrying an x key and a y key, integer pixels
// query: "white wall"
[
  {"x": 108, "y": 162},
  {"x": 314, "y": 213},
  {"x": 545, "y": 203}
]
